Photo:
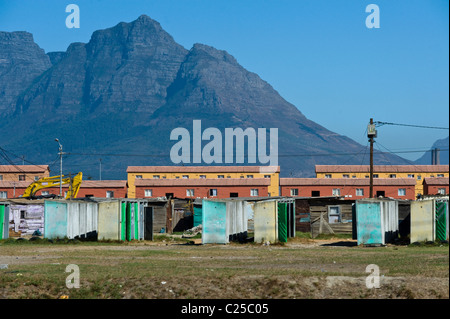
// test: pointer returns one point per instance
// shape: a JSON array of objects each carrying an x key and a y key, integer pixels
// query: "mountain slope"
[
  {"x": 124, "y": 91},
  {"x": 442, "y": 145}
]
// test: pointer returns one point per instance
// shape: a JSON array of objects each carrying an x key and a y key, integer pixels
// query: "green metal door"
[
  {"x": 441, "y": 220},
  {"x": 123, "y": 224},
  {"x": 2, "y": 220},
  {"x": 136, "y": 220},
  {"x": 282, "y": 222}
]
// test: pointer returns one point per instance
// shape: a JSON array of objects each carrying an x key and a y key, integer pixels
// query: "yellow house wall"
[
  {"x": 418, "y": 187},
  {"x": 273, "y": 188}
]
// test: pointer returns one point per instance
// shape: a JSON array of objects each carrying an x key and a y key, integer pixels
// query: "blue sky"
[{"x": 319, "y": 55}]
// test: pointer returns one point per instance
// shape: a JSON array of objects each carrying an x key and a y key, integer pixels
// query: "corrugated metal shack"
[
  {"x": 223, "y": 220},
  {"x": 25, "y": 217},
  {"x": 429, "y": 219},
  {"x": 270, "y": 219},
  {"x": 70, "y": 218},
  {"x": 324, "y": 215},
  {"x": 376, "y": 221}
]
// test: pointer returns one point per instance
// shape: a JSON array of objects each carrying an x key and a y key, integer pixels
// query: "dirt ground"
[{"x": 302, "y": 269}]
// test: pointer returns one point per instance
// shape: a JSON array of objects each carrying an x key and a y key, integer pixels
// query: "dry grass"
[{"x": 303, "y": 268}]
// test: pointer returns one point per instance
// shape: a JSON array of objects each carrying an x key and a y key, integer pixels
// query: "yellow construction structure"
[{"x": 54, "y": 181}]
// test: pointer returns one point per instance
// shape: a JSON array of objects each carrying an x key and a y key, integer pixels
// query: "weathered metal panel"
[
  {"x": 266, "y": 221},
  {"x": 55, "y": 219},
  {"x": 369, "y": 223},
  {"x": 236, "y": 220},
  {"x": 389, "y": 213},
  {"x": 109, "y": 220},
  {"x": 214, "y": 216},
  {"x": 441, "y": 220},
  {"x": 422, "y": 221},
  {"x": 197, "y": 215}
]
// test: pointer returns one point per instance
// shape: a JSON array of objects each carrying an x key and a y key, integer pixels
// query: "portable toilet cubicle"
[
  {"x": 376, "y": 221},
  {"x": 223, "y": 220},
  {"x": 429, "y": 220},
  {"x": 71, "y": 219},
  {"x": 4, "y": 220},
  {"x": 125, "y": 219}
]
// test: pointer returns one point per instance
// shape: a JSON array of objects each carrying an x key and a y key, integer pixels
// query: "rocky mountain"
[
  {"x": 120, "y": 95},
  {"x": 442, "y": 145},
  {"x": 21, "y": 61}
]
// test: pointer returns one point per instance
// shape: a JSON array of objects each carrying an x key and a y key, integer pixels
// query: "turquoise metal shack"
[{"x": 376, "y": 221}]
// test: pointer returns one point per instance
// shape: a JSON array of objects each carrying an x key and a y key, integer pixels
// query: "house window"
[
  {"x": 249, "y": 176},
  {"x": 345, "y": 176},
  {"x": 1, "y": 177},
  {"x": 328, "y": 175},
  {"x": 419, "y": 177},
  {"x": 375, "y": 175},
  {"x": 44, "y": 193},
  {"x": 189, "y": 192},
  {"x": 440, "y": 175},
  {"x": 148, "y": 193},
  {"x": 353, "y": 176},
  {"x": 410, "y": 175},
  {"x": 336, "y": 192},
  {"x": 392, "y": 176},
  {"x": 202, "y": 176},
  {"x": 185, "y": 176},
  {"x": 3, "y": 194},
  {"x": 360, "y": 192},
  {"x": 21, "y": 177},
  {"x": 139, "y": 176},
  {"x": 334, "y": 214},
  {"x": 156, "y": 176},
  {"x": 254, "y": 192},
  {"x": 213, "y": 192},
  {"x": 402, "y": 192},
  {"x": 220, "y": 176},
  {"x": 266, "y": 176},
  {"x": 441, "y": 191},
  {"x": 294, "y": 191},
  {"x": 109, "y": 194},
  {"x": 315, "y": 193},
  {"x": 36, "y": 178}
]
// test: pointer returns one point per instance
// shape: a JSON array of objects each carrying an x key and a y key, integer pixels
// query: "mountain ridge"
[{"x": 131, "y": 84}]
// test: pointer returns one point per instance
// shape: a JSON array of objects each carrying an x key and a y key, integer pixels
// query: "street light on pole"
[{"x": 60, "y": 166}]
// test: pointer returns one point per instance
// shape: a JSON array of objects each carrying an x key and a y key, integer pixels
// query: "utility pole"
[
  {"x": 100, "y": 169},
  {"x": 371, "y": 134},
  {"x": 60, "y": 166}
]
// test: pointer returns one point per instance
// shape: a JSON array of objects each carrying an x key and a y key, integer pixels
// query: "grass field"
[{"x": 172, "y": 268}]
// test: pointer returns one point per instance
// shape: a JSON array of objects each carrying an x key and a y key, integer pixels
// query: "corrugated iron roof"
[
  {"x": 202, "y": 169},
  {"x": 23, "y": 168},
  {"x": 12, "y": 184},
  {"x": 346, "y": 181},
  {"x": 203, "y": 182},
  {"x": 382, "y": 168},
  {"x": 436, "y": 181}
]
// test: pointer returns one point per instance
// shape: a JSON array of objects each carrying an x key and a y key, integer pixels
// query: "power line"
[{"x": 378, "y": 123}]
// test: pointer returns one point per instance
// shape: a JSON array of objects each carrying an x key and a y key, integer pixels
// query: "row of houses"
[{"x": 406, "y": 182}]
